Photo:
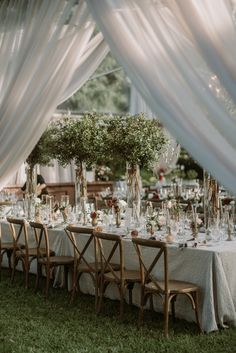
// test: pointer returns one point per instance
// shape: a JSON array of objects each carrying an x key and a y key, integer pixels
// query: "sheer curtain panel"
[
  {"x": 47, "y": 51},
  {"x": 180, "y": 55}
]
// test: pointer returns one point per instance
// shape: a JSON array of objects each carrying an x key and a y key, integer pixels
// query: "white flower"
[
  {"x": 37, "y": 200},
  {"x": 122, "y": 203},
  {"x": 169, "y": 204},
  {"x": 161, "y": 220},
  {"x": 199, "y": 221}
]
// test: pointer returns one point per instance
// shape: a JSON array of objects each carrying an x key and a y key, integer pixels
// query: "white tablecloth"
[{"x": 211, "y": 267}]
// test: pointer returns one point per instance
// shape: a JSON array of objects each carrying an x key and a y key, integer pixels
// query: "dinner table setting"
[{"x": 203, "y": 255}]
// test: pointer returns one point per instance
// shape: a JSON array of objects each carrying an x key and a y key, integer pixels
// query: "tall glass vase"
[
  {"x": 30, "y": 195},
  {"x": 133, "y": 181},
  {"x": 211, "y": 199},
  {"x": 81, "y": 187},
  {"x": 31, "y": 180}
]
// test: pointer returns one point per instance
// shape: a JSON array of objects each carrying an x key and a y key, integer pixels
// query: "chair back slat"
[
  {"x": 147, "y": 270},
  {"x": 105, "y": 258},
  {"x": 42, "y": 240},
  {"x": 17, "y": 228},
  {"x": 79, "y": 252}
]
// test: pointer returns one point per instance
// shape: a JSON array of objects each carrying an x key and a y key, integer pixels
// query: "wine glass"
[{"x": 65, "y": 201}]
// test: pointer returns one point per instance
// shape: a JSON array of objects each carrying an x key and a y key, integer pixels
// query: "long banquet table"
[{"x": 211, "y": 266}]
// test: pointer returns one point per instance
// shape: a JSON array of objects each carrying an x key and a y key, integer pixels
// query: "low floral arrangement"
[
  {"x": 111, "y": 202},
  {"x": 134, "y": 233},
  {"x": 156, "y": 220},
  {"x": 93, "y": 215},
  {"x": 119, "y": 205},
  {"x": 98, "y": 229}
]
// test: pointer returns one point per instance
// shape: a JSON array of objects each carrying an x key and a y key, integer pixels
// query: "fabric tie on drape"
[
  {"x": 46, "y": 51},
  {"x": 172, "y": 51}
]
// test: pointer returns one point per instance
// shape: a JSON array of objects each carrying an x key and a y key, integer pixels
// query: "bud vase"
[
  {"x": 94, "y": 221},
  {"x": 118, "y": 219}
]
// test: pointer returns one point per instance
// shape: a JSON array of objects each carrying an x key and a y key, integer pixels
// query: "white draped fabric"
[
  {"x": 57, "y": 174},
  {"x": 47, "y": 51},
  {"x": 172, "y": 50},
  {"x": 94, "y": 54},
  {"x": 169, "y": 154},
  {"x": 52, "y": 174}
]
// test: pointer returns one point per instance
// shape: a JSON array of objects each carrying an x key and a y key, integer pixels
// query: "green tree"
[
  {"x": 187, "y": 167},
  {"x": 107, "y": 93}
]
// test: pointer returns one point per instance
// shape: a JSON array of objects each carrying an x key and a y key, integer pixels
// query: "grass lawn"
[{"x": 28, "y": 323}]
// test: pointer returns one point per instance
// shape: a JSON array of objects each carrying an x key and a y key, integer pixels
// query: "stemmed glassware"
[
  {"x": 65, "y": 201},
  {"x": 49, "y": 208}
]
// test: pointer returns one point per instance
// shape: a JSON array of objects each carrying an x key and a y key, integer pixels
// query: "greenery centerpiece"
[
  {"x": 79, "y": 141},
  {"x": 138, "y": 141}
]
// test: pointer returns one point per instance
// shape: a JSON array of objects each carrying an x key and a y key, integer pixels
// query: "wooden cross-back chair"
[
  {"x": 9, "y": 247},
  {"x": 123, "y": 278},
  {"x": 81, "y": 264},
  {"x": 46, "y": 258},
  {"x": 167, "y": 289},
  {"x": 21, "y": 251}
]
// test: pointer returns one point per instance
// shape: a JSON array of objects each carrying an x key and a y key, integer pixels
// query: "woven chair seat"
[
  {"x": 10, "y": 246},
  {"x": 174, "y": 286},
  {"x": 57, "y": 260},
  {"x": 83, "y": 267},
  {"x": 129, "y": 275},
  {"x": 33, "y": 252}
]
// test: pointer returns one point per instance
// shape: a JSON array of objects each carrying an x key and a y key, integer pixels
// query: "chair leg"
[
  {"x": 97, "y": 286},
  {"x": 130, "y": 288},
  {"x": 75, "y": 280},
  {"x": 15, "y": 262},
  {"x": 0, "y": 264},
  {"x": 122, "y": 295},
  {"x": 27, "y": 266},
  {"x": 66, "y": 272},
  {"x": 151, "y": 302},
  {"x": 47, "y": 281},
  {"x": 141, "y": 311},
  {"x": 38, "y": 276},
  {"x": 9, "y": 253},
  {"x": 102, "y": 290},
  {"x": 166, "y": 315},
  {"x": 173, "y": 300},
  {"x": 195, "y": 297}
]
